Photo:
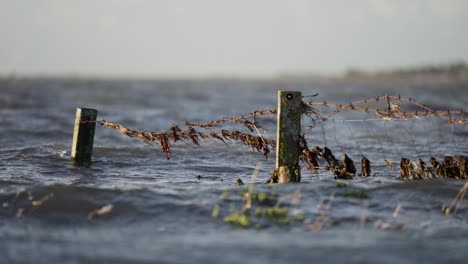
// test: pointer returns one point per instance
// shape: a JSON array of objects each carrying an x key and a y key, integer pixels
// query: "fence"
[{"x": 291, "y": 144}]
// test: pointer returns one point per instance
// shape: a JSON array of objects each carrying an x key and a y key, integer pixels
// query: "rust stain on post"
[
  {"x": 287, "y": 137},
  {"x": 83, "y": 136}
]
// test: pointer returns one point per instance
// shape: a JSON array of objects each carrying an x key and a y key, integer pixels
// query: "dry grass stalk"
[
  {"x": 295, "y": 198},
  {"x": 363, "y": 219},
  {"x": 248, "y": 195},
  {"x": 380, "y": 224},
  {"x": 324, "y": 214},
  {"x": 453, "y": 208},
  {"x": 397, "y": 211}
]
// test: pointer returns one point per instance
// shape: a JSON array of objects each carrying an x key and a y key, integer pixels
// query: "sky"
[{"x": 252, "y": 38}]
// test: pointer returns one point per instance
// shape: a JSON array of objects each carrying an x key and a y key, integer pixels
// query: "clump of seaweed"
[
  {"x": 449, "y": 168},
  {"x": 342, "y": 169},
  {"x": 463, "y": 167},
  {"x": 365, "y": 167},
  {"x": 406, "y": 169}
]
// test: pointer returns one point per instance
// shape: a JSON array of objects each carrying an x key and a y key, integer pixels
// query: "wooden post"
[
  {"x": 287, "y": 136},
  {"x": 83, "y": 136}
]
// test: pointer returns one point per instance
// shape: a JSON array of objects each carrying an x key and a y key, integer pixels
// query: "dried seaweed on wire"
[
  {"x": 175, "y": 134},
  {"x": 424, "y": 171},
  {"x": 241, "y": 120},
  {"x": 365, "y": 167},
  {"x": 450, "y": 167},
  {"x": 344, "y": 169},
  {"x": 392, "y": 110},
  {"x": 309, "y": 156},
  {"x": 436, "y": 166},
  {"x": 406, "y": 169},
  {"x": 463, "y": 163},
  {"x": 329, "y": 157}
]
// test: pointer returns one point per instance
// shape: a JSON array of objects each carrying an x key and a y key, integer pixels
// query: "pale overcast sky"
[{"x": 158, "y": 38}]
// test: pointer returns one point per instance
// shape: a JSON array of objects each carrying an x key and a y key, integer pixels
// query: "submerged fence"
[{"x": 291, "y": 144}]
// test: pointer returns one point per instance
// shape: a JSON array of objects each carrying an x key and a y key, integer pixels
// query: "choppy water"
[{"x": 162, "y": 210}]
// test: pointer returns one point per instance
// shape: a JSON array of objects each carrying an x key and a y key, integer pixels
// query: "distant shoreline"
[
  {"x": 448, "y": 73},
  {"x": 454, "y": 73}
]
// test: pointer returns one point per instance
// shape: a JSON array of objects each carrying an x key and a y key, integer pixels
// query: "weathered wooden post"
[
  {"x": 83, "y": 136},
  {"x": 287, "y": 136}
]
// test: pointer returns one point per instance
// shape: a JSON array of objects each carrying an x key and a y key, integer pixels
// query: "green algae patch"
[
  {"x": 357, "y": 194},
  {"x": 341, "y": 184},
  {"x": 238, "y": 218},
  {"x": 215, "y": 212}
]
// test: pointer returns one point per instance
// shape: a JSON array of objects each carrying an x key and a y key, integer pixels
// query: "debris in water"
[
  {"x": 42, "y": 200},
  {"x": 100, "y": 211},
  {"x": 239, "y": 182},
  {"x": 20, "y": 213},
  {"x": 389, "y": 163},
  {"x": 397, "y": 211}
]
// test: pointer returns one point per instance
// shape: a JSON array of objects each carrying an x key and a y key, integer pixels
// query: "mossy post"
[
  {"x": 83, "y": 136},
  {"x": 287, "y": 136}
]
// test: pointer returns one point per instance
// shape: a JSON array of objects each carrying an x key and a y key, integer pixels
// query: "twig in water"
[
  {"x": 107, "y": 209},
  {"x": 45, "y": 198}
]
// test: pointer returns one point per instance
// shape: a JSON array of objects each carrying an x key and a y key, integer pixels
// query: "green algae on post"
[{"x": 287, "y": 137}]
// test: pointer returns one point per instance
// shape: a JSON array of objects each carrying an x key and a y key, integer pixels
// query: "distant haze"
[{"x": 253, "y": 38}]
